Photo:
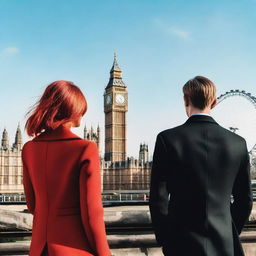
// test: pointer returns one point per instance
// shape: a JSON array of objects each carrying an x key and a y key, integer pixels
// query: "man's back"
[{"x": 199, "y": 165}]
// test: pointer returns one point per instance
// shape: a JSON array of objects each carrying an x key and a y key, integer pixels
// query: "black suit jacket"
[{"x": 196, "y": 168}]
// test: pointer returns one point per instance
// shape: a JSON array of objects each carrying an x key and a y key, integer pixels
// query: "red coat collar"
[{"x": 60, "y": 133}]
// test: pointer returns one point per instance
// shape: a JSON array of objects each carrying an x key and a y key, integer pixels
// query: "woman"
[{"x": 61, "y": 178}]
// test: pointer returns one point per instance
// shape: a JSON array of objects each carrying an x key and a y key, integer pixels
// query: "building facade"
[{"x": 11, "y": 164}]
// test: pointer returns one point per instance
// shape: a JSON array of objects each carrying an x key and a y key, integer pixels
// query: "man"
[{"x": 197, "y": 166}]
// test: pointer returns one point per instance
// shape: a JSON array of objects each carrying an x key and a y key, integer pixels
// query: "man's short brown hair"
[{"x": 200, "y": 91}]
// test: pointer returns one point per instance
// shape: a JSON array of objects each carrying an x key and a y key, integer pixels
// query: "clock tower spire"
[
  {"x": 115, "y": 75},
  {"x": 115, "y": 108}
]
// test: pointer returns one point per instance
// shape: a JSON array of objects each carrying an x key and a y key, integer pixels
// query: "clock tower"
[{"x": 115, "y": 108}]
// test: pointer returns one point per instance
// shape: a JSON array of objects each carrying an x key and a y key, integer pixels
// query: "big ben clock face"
[
  {"x": 108, "y": 99},
  {"x": 120, "y": 99}
]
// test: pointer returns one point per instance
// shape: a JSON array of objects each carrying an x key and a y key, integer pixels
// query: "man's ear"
[
  {"x": 214, "y": 103},
  {"x": 186, "y": 100}
]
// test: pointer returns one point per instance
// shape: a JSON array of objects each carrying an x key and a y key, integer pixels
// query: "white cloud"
[
  {"x": 9, "y": 51},
  {"x": 172, "y": 30},
  {"x": 179, "y": 33}
]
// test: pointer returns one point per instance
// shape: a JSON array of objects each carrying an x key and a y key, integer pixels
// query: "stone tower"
[
  {"x": 5, "y": 140},
  {"x": 143, "y": 154},
  {"x": 18, "y": 139},
  {"x": 115, "y": 108},
  {"x": 92, "y": 135}
]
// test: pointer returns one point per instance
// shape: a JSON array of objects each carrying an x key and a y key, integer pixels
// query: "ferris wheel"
[
  {"x": 248, "y": 96},
  {"x": 242, "y": 93}
]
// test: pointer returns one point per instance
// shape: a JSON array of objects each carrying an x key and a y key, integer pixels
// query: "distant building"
[
  {"x": 119, "y": 172},
  {"x": 11, "y": 164},
  {"x": 143, "y": 154},
  {"x": 92, "y": 135}
]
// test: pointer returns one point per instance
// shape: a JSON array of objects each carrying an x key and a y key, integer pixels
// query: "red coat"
[{"x": 61, "y": 177}]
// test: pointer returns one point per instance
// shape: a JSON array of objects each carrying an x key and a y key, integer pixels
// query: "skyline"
[{"x": 160, "y": 45}]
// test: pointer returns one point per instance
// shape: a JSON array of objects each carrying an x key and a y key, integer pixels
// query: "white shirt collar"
[{"x": 202, "y": 114}]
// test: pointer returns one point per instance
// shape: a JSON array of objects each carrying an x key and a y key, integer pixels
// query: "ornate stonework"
[
  {"x": 115, "y": 108},
  {"x": 121, "y": 173}
]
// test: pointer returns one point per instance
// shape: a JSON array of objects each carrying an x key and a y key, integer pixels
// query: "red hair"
[{"x": 61, "y": 102}]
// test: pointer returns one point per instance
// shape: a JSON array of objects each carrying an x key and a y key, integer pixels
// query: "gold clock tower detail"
[{"x": 115, "y": 108}]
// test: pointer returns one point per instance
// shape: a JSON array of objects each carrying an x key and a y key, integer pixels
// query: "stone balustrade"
[{"x": 127, "y": 242}]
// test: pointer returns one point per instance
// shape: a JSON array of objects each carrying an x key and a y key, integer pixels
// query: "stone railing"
[{"x": 128, "y": 228}]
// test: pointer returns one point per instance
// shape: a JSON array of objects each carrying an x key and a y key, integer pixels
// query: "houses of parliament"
[{"x": 118, "y": 172}]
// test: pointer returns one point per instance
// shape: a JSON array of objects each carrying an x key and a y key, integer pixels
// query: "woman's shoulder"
[
  {"x": 26, "y": 145},
  {"x": 90, "y": 149},
  {"x": 25, "y": 150},
  {"x": 88, "y": 144}
]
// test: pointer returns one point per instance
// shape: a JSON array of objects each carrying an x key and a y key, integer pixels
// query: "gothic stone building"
[
  {"x": 119, "y": 172},
  {"x": 11, "y": 164}
]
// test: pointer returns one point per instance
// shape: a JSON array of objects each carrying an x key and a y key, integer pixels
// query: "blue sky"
[{"x": 159, "y": 45}]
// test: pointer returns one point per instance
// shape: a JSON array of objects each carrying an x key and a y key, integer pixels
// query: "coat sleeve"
[
  {"x": 242, "y": 194},
  {"x": 159, "y": 195},
  {"x": 27, "y": 184},
  {"x": 92, "y": 212}
]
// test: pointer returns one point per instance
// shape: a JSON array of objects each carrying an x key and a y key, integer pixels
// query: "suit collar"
[
  {"x": 60, "y": 133},
  {"x": 200, "y": 118}
]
